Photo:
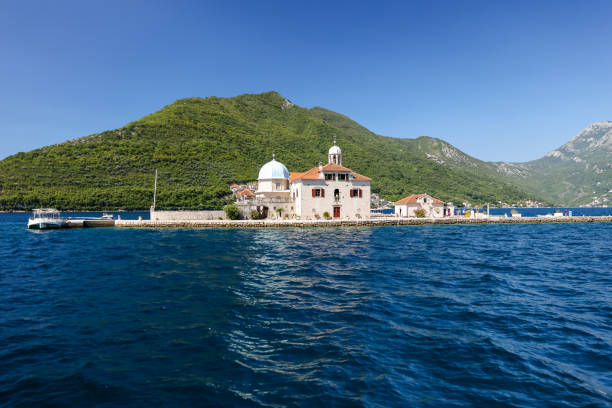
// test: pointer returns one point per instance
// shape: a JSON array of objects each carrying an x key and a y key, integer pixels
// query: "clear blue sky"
[{"x": 501, "y": 80}]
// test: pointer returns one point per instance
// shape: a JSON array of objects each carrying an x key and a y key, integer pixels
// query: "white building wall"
[
  {"x": 296, "y": 195},
  {"x": 407, "y": 210},
  {"x": 272, "y": 185},
  {"x": 310, "y": 207}
]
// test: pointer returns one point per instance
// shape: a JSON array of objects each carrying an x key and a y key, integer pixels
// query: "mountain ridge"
[
  {"x": 577, "y": 173},
  {"x": 202, "y": 145}
]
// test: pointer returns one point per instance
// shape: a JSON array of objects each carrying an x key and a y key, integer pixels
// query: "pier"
[{"x": 89, "y": 223}]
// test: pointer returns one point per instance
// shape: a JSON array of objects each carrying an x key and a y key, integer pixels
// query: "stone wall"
[
  {"x": 364, "y": 222},
  {"x": 287, "y": 206},
  {"x": 187, "y": 215}
]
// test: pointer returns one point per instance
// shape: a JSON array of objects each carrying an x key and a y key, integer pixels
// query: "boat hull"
[{"x": 45, "y": 225}]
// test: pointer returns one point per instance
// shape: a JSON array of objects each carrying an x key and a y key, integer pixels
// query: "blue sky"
[{"x": 499, "y": 80}]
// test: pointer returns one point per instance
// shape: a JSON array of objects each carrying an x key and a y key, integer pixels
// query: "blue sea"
[{"x": 408, "y": 316}]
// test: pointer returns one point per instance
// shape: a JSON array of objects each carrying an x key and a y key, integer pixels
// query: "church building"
[{"x": 329, "y": 190}]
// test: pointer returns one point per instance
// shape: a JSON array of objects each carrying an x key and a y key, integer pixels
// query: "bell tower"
[{"x": 335, "y": 155}]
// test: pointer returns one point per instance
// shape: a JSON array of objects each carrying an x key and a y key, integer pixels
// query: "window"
[
  {"x": 341, "y": 176},
  {"x": 355, "y": 192},
  {"x": 318, "y": 192},
  {"x": 330, "y": 176}
]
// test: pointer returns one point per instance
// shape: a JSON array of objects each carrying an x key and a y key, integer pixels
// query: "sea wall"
[
  {"x": 163, "y": 216},
  {"x": 341, "y": 223}
]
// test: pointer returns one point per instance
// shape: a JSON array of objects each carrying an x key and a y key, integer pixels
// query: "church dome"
[
  {"x": 335, "y": 150},
  {"x": 273, "y": 170}
]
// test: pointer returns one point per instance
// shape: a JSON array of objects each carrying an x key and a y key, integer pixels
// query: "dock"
[{"x": 89, "y": 223}]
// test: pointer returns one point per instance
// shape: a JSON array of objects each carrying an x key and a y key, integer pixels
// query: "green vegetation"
[
  {"x": 201, "y": 146},
  {"x": 232, "y": 212},
  {"x": 326, "y": 215},
  {"x": 420, "y": 213},
  {"x": 577, "y": 173}
]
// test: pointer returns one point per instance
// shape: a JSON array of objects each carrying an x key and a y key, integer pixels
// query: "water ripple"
[{"x": 492, "y": 315}]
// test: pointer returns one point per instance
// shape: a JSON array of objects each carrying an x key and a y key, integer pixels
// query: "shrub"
[
  {"x": 326, "y": 215},
  {"x": 232, "y": 212},
  {"x": 255, "y": 215},
  {"x": 420, "y": 213}
]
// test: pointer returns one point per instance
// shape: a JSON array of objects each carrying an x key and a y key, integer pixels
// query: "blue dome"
[{"x": 273, "y": 170}]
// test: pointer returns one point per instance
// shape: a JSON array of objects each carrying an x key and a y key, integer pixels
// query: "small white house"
[{"x": 433, "y": 207}]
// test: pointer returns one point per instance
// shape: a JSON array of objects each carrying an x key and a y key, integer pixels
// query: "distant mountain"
[
  {"x": 202, "y": 145},
  {"x": 577, "y": 173}
]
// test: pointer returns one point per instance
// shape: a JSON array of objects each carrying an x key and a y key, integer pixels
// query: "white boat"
[
  {"x": 106, "y": 216},
  {"x": 46, "y": 218}
]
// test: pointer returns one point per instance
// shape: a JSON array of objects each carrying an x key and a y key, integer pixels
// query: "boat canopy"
[{"x": 45, "y": 212}]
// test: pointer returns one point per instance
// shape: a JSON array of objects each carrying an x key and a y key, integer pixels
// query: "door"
[{"x": 336, "y": 212}]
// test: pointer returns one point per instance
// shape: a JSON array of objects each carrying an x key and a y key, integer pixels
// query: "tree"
[{"x": 232, "y": 212}]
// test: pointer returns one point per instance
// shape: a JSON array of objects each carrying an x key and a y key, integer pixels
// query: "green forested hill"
[{"x": 202, "y": 145}]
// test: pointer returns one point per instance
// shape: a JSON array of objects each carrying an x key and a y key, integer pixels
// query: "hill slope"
[
  {"x": 200, "y": 146},
  {"x": 577, "y": 173}
]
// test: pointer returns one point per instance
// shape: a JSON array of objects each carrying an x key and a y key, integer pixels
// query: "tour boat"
[{"x": 46, "y": 218}]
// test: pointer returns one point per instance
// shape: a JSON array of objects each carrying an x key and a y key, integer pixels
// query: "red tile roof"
[
  {"x": 357, "y": 176},
  {"x": 412, "y": 199},
  {"x": 335, "y": 167},
  {"x": 248, "y": 193},
  {"x": 294, "y": 175},
  {"x": 313, "y": 174}
]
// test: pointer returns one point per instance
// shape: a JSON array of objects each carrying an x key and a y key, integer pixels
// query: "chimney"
[{"x": 320, "y": 166}]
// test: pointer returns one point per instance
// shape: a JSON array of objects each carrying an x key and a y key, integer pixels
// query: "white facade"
[
  {"x": 327, "y": 191},
  {"x": 348, "y": 199},
  {"x": 433, "y": 207}
]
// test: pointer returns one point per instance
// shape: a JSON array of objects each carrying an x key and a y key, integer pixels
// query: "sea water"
[{"x": 425, "y": 316}]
